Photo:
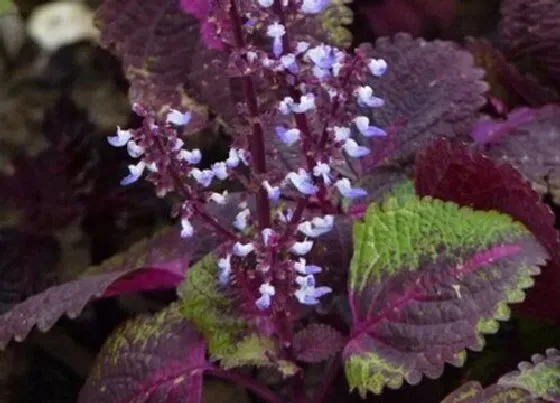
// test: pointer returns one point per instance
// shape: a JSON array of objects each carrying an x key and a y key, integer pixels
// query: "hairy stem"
[
  {"x": 256, "y": 140},
  {"x": 249, "y": 383}
]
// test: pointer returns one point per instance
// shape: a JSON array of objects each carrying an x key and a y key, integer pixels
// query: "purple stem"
[
  {"x": 327, "y": 380},
  {"x": 256, "y": 140},
  {"x": 249, "y": 383}
]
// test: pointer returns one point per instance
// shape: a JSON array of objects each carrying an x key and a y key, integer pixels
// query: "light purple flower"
[
  {"x": 133, "y": 149},
  {"x": 266, "y": 234},
  {"x": 288, "y": 61},
  {"x": 307, "y": 103},
  {"x": 285, "y": 106},
  {"x": 362, "y": 123},
  {"x": 377, "y": 67},
  {"x": 220, "y": 170},
  {"x": 240, "y": 221},
  {"x": 317, "y": 226},
  {"x": 341, "y": 133},
  {"x": 323, "y": 170},
  {"x": 203, "y": 177},
  {"x": 302, "y": 182},
  {"x": 304, "y": 269},
  {"x": 288, "y": 137},
  {"x": 345, "y": 188},
  {"x": 354, "y": 150},
  {"x": 273, "y": 192},
  {"x": 276, "y": 31},
  {"x": 121, "y": 138},
  {"x": 178, "y": 118},
  {"x": 302, "y": 248},
  {"x": 266, "y": 290},
  {"x": 242, "y": 250},
  {"x": 306, "y": 281},
  {"x": 366, "y": 98},
  {"x": 186, "y": 228},
  {"x": 314, "y": 6},
  {"x": 311, "y": 295},
  {"x": 191, "y": 157},
  {"x": 321, "y": 55},
  {"x": 136, "y": 172},
  {"x": 219, "y": 198},
  {"x": 224, "y": 266},
  {"x": 265, "y": 3},
  {"x": 301, "y": 47}
]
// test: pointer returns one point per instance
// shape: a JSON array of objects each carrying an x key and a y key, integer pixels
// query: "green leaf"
[
  {"x": 228, "y": 336},
  {"x": 149, "y": 359},
  {"x": 427, "y": 279}
]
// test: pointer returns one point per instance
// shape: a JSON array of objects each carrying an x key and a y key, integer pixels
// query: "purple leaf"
[
  {"x": 473, "y": 392},
  {"x": 160, "y": 48},
  {"x": 150, "y": 359},
  {"x": 159, "y": 261},
  {"x": 317, "y": 342},
  {"x": 533, "y": 147},
  {"x": 27, "y": 263},
  {"x": 529, "y": 31},
  {"x": 444, "y": 92}
]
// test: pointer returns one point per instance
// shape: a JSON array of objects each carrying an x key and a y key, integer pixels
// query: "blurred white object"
[{"x": 54, "y": 25}]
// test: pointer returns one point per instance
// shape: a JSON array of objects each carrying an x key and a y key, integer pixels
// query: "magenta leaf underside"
[
  {"x": 172, "y": 357},
  {"x": 444, "y": 92},
  {"x": 423, "y": 318},
  {"x": 470, "y": 178},
  {"x": 159, "y": 262}
]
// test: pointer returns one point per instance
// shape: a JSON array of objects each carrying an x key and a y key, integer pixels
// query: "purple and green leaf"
[
  {"x": 317, "y": 342},
  {"x": 158, "y": 358},
  {"x": 537, "y": 381},
  {"x": 427, "y": 280}
]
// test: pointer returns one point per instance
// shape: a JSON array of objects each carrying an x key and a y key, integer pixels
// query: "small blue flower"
[
  {"x": 267, "y": 233},
  {"x": 219, "y": 198},
  {"x": 289, "y": 62},
  {"x": 224, "y": 266},
  {"x": 242, "y": 250},
  {"x": 191, "y": 157},
  {"x": 177, "y": 118},
  {"x": 289, "y": 136},
  {"x": 276, "y": 31},
  {"x": 345, "y": 188},
  {"x": 301, "y": 47},
  {"x": 121, "y": 138},
  {"x": 314, "y": 6},
  {"x": 302, "y": 248},
  {"x": 302, "y": 182},
  {"x": 323, "y": 170},
  {"x": 317, "y": 226},
  {"x": 377, "y": 67},
  {"x": 354, "y": 150},
  {"x": 362, "y": 123},
  {"x": 307, "y": 103},
  {"x": 133, "y": 149},
  {"x": 285, "y": 106},
  {"x": 366, "y": 98},
  {"x": 273, "y": 192},
  {"x": 266, "y": 290},
  {"x": 186, "y": 228},
  {"x": 220, "y": 170},
  {"x": 306, "y": 281},
  {"x": 136, "y": 172},
  {"x": 311, "y": 295},
  {"x": 240, "y": 221},
  {"x": 203, "y": 177},
  {"x": 304, "y": 269},
  {"x": 341, "y": 133}
]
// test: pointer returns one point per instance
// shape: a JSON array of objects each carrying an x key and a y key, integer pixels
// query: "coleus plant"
[{"x": 311, "y": 265}]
